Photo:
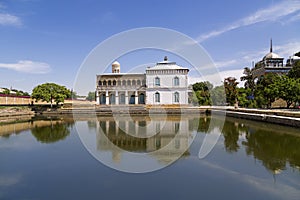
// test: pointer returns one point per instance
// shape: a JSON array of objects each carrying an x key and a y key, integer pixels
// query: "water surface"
[{"x": 45, "y": 159}]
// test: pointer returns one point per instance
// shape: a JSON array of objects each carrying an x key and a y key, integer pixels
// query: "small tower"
[{"x": 115, "y": 67}]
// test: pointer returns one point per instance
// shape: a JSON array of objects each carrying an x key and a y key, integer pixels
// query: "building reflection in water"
[{"x": 166, "y": 140}]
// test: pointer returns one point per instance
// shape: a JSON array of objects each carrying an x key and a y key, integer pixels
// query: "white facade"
[
  {"x": 167, "y": 83},
  {"x": 164, "y": 83}
]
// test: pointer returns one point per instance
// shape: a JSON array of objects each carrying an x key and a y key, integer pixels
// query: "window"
[
  {"x": 114, "y": 82},
  {"x": 176, "y": 81},
  {"x": 157, "y": 97},
  {"x": 157, "y": 81},
  {"x": 176, "y": 97}
]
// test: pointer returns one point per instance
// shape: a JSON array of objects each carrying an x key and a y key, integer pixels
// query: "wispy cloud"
[
  {"x": 9, "y": 20},
  {"x": 27, "y": 66},
  {"x": 217, "y": 78},
  {"x": 273, "y": 13},
  {"x": 226, "y": 63}
]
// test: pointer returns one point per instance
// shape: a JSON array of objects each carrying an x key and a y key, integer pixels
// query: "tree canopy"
[
  {"x": 295, "y": 71},
  {"x": 91, "y": 96},
  {"x": 50, "y": 92}
]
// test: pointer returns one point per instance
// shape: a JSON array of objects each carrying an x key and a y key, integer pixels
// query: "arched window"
[
  {"x": 133, "y": 82},
  {"x": 104, "y": 82},
  {"x": 114, "y": 82},
  {"x": 176, "y": 81},
  {"x": 138, "y": 82},
  {"x": 119, "y": 82},
  {"x": 157, "y": 81},
  {"x": 99, "y": 83},
  {"x": 109, "y": 82},
  {"x": 128, "y": 82},
  {"x": 124, "y": 82},
  {"x": 176, "y": 97},
  {"x": 157, "y": 97}
]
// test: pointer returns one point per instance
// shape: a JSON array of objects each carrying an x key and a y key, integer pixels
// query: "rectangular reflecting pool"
[{"x": 142, "y": 157}]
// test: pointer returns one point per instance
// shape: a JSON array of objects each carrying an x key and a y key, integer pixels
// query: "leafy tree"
[
  {"x": 289, "y": 89},
  {"x": 50, "y": 92},
  {"x": 297, "y": 54},
  {"x": 295, "y": 71},
  {"x": 202, "y": 93},
  {"x": 245, "y": 98},
  {"x": 218, "y": 95},
  {"x": 74, "y": 94},
  {"x": 248, "y": 78},
  {"x": 206, "y": 85},
  {"x": 91, "y": 96},
  {"x": 230, "y": 85},
  {"x": 266, "y": 91},
  {"x": 6, "y": 91}
]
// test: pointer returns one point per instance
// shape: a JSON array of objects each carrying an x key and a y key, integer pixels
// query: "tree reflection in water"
[
  {"x": 275, "y": 149},
  {"x": 49, "y": 134}
]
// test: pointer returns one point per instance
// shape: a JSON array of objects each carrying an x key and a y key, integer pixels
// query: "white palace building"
[{"x": 165, "y": 83}]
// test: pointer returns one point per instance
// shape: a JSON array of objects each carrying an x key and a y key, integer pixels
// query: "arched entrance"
[
  {"x": 102, "y": 99},
  {"x": 112, "y": 99},
  {"x": 142, "y": 98},
  {"x": 121, "y": 98},
  {"x": 132, "y": 99}
]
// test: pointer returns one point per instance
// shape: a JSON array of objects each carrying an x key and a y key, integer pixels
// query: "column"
[
  {"x": 107, "y": 97},
  {"x": 126, "y": 126},
  {"x": 136, "y": 100},
  {"x": 117, "y": 98},
  {"x": 106, "y": 126},
  {"x": 97, "y": 97},
  {"x": 117, "y": 127},
  {"x": 136, "y": 123},
  {"x": 126, "y": 97}
]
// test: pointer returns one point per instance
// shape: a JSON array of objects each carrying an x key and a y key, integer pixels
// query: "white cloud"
[
  {"x": 226, "y": 63},
  {"x": 27, "y": 66},
  {"x": 217, "y": 78},
  {"x": 273, "y": 13},
  {"x": 8, "y": 19}
]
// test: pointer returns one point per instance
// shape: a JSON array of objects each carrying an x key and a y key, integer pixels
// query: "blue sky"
[{"x": 46, "y": 41}]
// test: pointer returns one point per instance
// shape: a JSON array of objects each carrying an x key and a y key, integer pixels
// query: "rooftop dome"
[
  {"x": 271, "y": 55},
  {"x": 165, "y": 65},
  {"x": 116, "y": 63},
  {"x": 115, "y": 67}
]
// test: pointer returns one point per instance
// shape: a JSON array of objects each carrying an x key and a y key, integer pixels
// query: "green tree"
[
  {"x": 297, "y": 54},
  {"x": 202, "y": 93},
  {"x": 244, "y": 98},
  {"x": 6, "y": 91},
  {"x": 50, "y": 92},
  {"x": 288, "y": 89},
  {"x": 248, "y": 78},
  {"x": 230, "y": 85},
  {"x": 218, "y": 95},
  {"x": 295, "y": 71},
  {"x": 74, "y": 94},
  {"x": 266, "y": 90},
  {"x": 91, "y": 96}
]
